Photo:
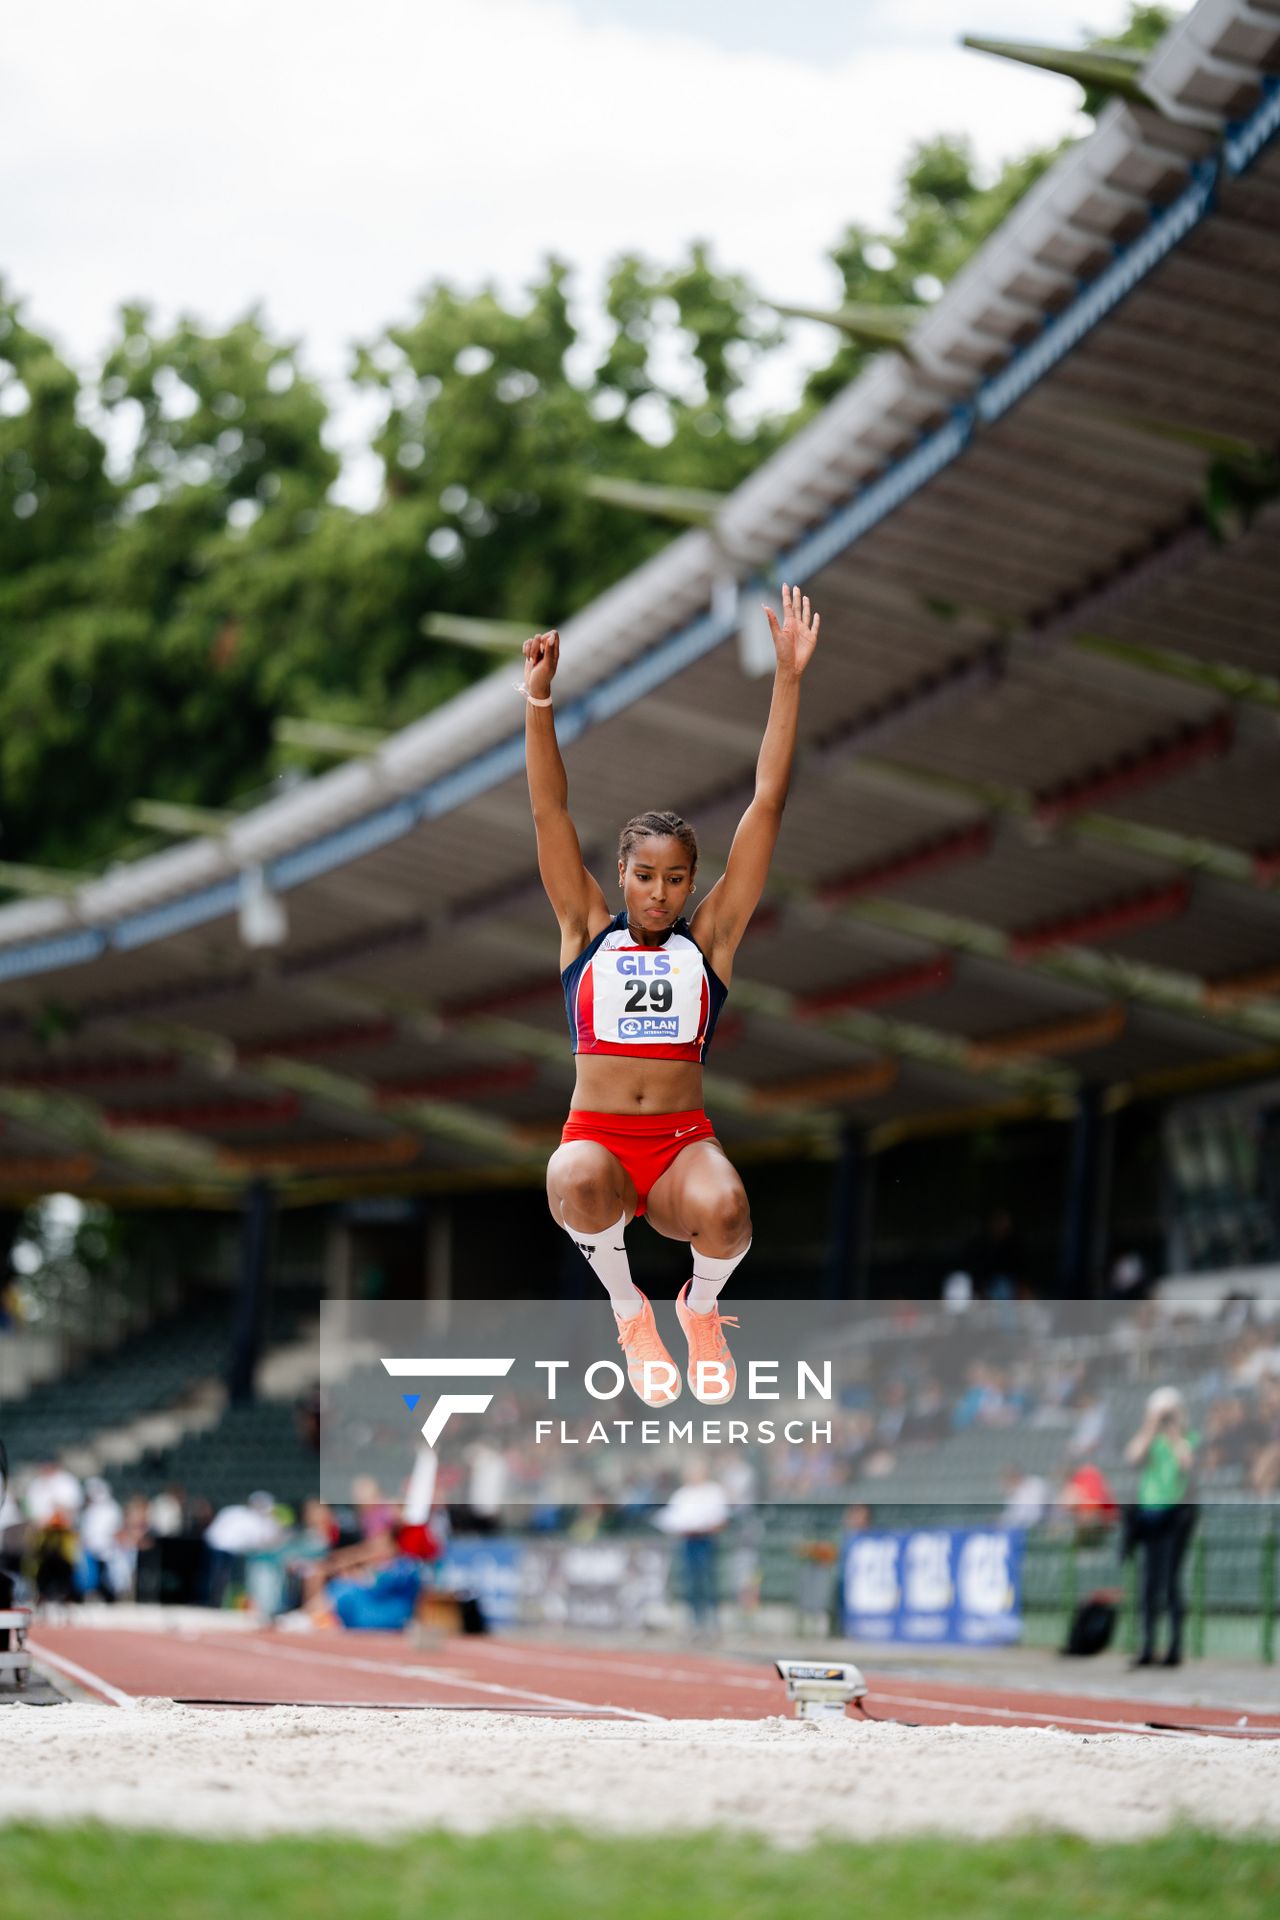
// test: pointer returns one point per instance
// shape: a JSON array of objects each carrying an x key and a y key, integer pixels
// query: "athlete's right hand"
[{"x": 541, "y": 658}]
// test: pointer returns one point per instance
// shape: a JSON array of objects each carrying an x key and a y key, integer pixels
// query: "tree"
[
  {"x": 122, "y": 674},
  {"x": 490, "y": 433},
  {"x": 160, "y": 609},
  {"x": 944, "y": 215}
]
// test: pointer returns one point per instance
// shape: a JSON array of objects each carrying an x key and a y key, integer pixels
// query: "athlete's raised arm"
[
  {"x": 721, "y": 920},
  {"x": 575, "y": 894}
]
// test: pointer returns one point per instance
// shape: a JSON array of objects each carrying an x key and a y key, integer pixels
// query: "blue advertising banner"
[
  {"x": 487, "y": 1570},
  {"x": 937, "y": 1586}
]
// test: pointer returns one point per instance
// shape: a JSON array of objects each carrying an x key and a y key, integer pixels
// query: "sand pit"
[{"x": 377, "y": 1774}]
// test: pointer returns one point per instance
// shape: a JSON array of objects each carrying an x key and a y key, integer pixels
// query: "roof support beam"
[
  {"x": 494, "y": 1018},
  {"x": 39, "y": 880},
  {"x": 1215, "y": 676},
  {"x": 177, "y": 818},
  {"x": 82, "y": 1124},
  {"x": 1192, "y": 853},
  {"x": 491, "y": 636},
  {"x": 327, "y": 736},
  {"x": 1110, "y": 70},
  {"x": 882, "y": 1037},
  {"x": 432, "y": 1119},
  {"x": 1109, "y": 973},
  {"x": 691, "y": 506},
  {"x": 907, "y": 1040}
]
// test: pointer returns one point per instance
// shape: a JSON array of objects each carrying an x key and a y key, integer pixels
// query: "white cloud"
[{"x": 331, "y": 160}]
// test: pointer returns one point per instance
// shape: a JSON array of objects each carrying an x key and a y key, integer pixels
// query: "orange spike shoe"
[
  {"x": 647, "y": 1358},
  {"x": 712, "y": 1375}
]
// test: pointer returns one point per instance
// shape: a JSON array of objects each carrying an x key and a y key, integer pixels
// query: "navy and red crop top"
[{"x": 646, "y": 1003}]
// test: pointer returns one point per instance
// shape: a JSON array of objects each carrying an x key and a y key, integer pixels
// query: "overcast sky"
[{"x": 329, "y": 158}]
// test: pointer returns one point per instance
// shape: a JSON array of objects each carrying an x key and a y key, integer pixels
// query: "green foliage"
[
  {"x": 944, "y": 215},
  {"x": 162, "y": 606},
  {"x": 489, "y": 436}
]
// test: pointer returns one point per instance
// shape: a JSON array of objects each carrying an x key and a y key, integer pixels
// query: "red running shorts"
[{"x": 645, "y": 1143}]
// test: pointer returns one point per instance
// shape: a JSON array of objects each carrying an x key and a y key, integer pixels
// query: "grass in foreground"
[{"x": 98, "y": 1873}]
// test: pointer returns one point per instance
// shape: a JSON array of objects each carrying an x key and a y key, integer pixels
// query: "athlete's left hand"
[{"x": 795, "y": 640}]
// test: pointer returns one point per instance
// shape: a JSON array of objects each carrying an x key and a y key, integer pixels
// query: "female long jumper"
[{"x": 643, "y": 989}]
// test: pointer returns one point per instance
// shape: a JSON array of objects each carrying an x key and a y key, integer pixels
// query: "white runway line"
[
  {"x": 388, "y": 1706},
  {"x": 633, "y": 1668},
  {"x": 1050, "y": 1719},
  {"x": 74, "y": 1671},
  {"x": 442, "y": 1678}
]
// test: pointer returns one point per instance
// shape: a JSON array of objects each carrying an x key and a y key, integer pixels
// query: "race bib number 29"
[{"x": 653, "y": 998}]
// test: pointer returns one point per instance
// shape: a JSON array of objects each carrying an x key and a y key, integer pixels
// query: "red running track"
[{"x": 262, "y": 1668}]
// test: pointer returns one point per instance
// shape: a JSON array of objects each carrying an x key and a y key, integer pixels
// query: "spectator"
[
  {"x": 1264, "y": 1469},
  {"x": 892, "y": 1416},
  {"x": 486, "y": 1488},
  {"x": 306, "y": 1417},
  {"x": 199, "y": 1514},
  {"x": 985, "y": 1401},
  {"x": 1259, "y": 1360},
  {"x": 1164, "y": 1448},
  {"x": 233, "y": 1533},
  {"x": 133, "y": 1538},
  {"x": 1128, "y": 1278},
  {"x": 100, "y": 1524},
  {"x": 1026, "y": 1500},
  {"x": 51, "y": 1561},
  {"x": 53, "y": 1491},
  {"x": 957, "y": 1291},
  {"x": 696, "y": 1514},
  {"x": 166, "y": 1515},
  {"x": 311, "y": 1543},
  {"x": 996, "y": 1259},
  {"x": 929, "y": 1419},
  {"x": 1090, "y": 1428},
  {"x": 1088, "y": 1500},
  {"x": 377, "y": 1516}
]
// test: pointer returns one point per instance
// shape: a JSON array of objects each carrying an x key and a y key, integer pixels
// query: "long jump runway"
[{"x": 258, "y": 1668}]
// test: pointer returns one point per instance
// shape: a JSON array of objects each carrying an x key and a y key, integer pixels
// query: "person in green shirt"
[{"x": 1164, "y": 1448}]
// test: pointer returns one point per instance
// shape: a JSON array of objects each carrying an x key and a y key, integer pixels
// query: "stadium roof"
[{"x": 1034, "y": 836}]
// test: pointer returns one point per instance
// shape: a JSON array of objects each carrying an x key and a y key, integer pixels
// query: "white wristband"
[{"x": 520, "y": 687}]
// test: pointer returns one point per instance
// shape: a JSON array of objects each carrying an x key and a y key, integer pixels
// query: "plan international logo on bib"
[{"x": 658, "y": 1026}]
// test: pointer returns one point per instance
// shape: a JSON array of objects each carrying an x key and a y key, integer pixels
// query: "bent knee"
[
  {"x": 726, "y": 1214},
  {"x": 582, "y": 1178}
]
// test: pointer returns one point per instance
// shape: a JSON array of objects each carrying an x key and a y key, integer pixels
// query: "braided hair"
[{"x": 663, "y": 826}]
